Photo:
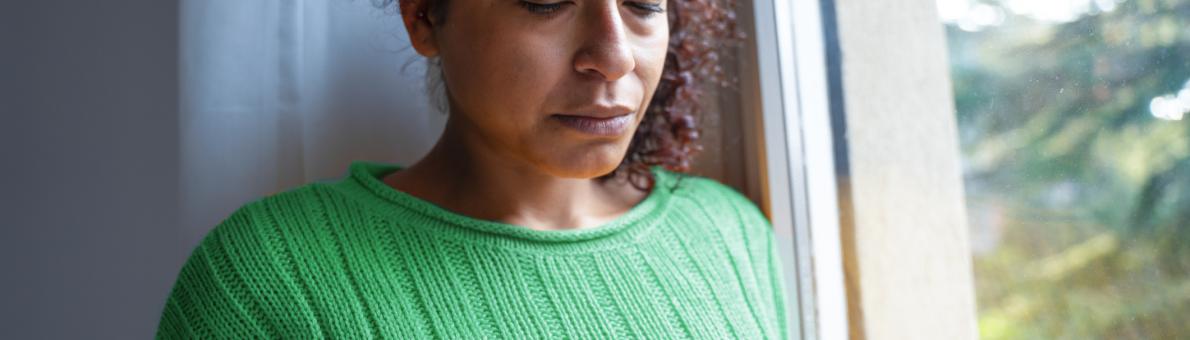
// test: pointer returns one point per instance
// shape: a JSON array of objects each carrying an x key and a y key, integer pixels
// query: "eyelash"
[
  {"x": 549, "y": 9},
  {"x": 541, "y": 9},
  {"x": 650, "y": 9}
]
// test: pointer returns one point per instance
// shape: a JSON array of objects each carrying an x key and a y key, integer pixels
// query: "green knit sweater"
[{"x": 355, "y": 258}]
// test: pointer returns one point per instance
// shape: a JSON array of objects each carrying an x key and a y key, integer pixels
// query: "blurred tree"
[{"x": 1080, "y": 183}]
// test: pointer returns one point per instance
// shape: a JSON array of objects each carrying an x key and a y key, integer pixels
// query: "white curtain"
[{"x": 278, "y": 93}]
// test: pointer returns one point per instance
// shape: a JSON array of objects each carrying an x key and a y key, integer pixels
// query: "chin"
[{"x": 586, "y": 164}]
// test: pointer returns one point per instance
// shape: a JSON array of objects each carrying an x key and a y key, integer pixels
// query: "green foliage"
[{"x": 1082, "y": 193}]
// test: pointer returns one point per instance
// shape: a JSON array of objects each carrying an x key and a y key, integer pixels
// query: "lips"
[{"x": 607, "y": 126}]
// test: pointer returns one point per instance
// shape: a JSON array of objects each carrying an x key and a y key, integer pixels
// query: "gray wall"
[{"x": 88, "y": 169}]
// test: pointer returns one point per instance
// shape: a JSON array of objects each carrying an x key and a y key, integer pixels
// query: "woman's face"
[{"x": 557, "y": 85}]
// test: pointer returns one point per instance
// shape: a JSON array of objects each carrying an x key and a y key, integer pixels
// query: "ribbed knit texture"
[{"x": 357, "y": 259}]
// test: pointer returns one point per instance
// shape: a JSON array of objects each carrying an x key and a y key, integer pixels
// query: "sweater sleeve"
[
  {"x": 777, "y": 282},
  {"x": 766, "y": 262},
  {"x": 207, "y": 300}
]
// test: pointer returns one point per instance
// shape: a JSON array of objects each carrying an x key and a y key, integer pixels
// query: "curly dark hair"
[{"x": 668, "y": 134}]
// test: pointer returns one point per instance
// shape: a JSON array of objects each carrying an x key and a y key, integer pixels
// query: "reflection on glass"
[{"x": 1076, "y": 154}]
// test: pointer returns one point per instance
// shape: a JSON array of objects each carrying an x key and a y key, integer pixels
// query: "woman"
[{"x": 544, "y": 211}]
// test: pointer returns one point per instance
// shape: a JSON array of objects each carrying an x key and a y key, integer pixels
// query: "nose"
[{"x": 605, "y": 53}]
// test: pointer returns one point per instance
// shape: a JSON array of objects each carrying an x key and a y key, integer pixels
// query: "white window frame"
[{"x": 800, "y": 164}]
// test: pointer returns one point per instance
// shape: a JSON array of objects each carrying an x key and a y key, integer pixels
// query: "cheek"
[
  {"x": 651, "y": 51},
  {"x": 651, "y": 66},
  {"x": 505, "y": 76}
]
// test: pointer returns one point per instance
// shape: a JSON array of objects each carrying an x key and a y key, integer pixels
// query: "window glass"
[{"x": 1074, "y": 121}]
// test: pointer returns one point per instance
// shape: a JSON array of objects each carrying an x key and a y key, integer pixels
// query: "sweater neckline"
[{"x": 624, "y": 229}]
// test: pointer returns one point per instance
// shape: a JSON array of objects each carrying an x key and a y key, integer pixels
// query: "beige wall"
[{"x": 905, "y": 230}]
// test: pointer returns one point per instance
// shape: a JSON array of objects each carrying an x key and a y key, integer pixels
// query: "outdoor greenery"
[{"x": 1077, "y": 178}]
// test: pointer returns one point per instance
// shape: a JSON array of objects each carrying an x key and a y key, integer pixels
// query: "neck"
[{"x": 467, "y": 176}]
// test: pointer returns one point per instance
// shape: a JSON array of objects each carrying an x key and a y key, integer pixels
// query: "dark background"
[{"x": 88, "y": 167}]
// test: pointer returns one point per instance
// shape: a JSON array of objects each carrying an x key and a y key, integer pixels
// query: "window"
[{"x": 1075, "y": 139}]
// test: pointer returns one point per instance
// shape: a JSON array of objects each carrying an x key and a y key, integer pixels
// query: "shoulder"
[
  {"x": 243, "y": 264},
  {"x": 691, "y": 185},
  {"x": 257, "y": 241},
  {"x": 280, "y": 210},
  {"x": 289, "y": 224},
  {"x": 714, "y": 201}
]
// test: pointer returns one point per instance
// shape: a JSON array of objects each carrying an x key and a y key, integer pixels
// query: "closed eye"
[
  {"x": 544, "y": 9},
  {"x": 647, "y": 9}
]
